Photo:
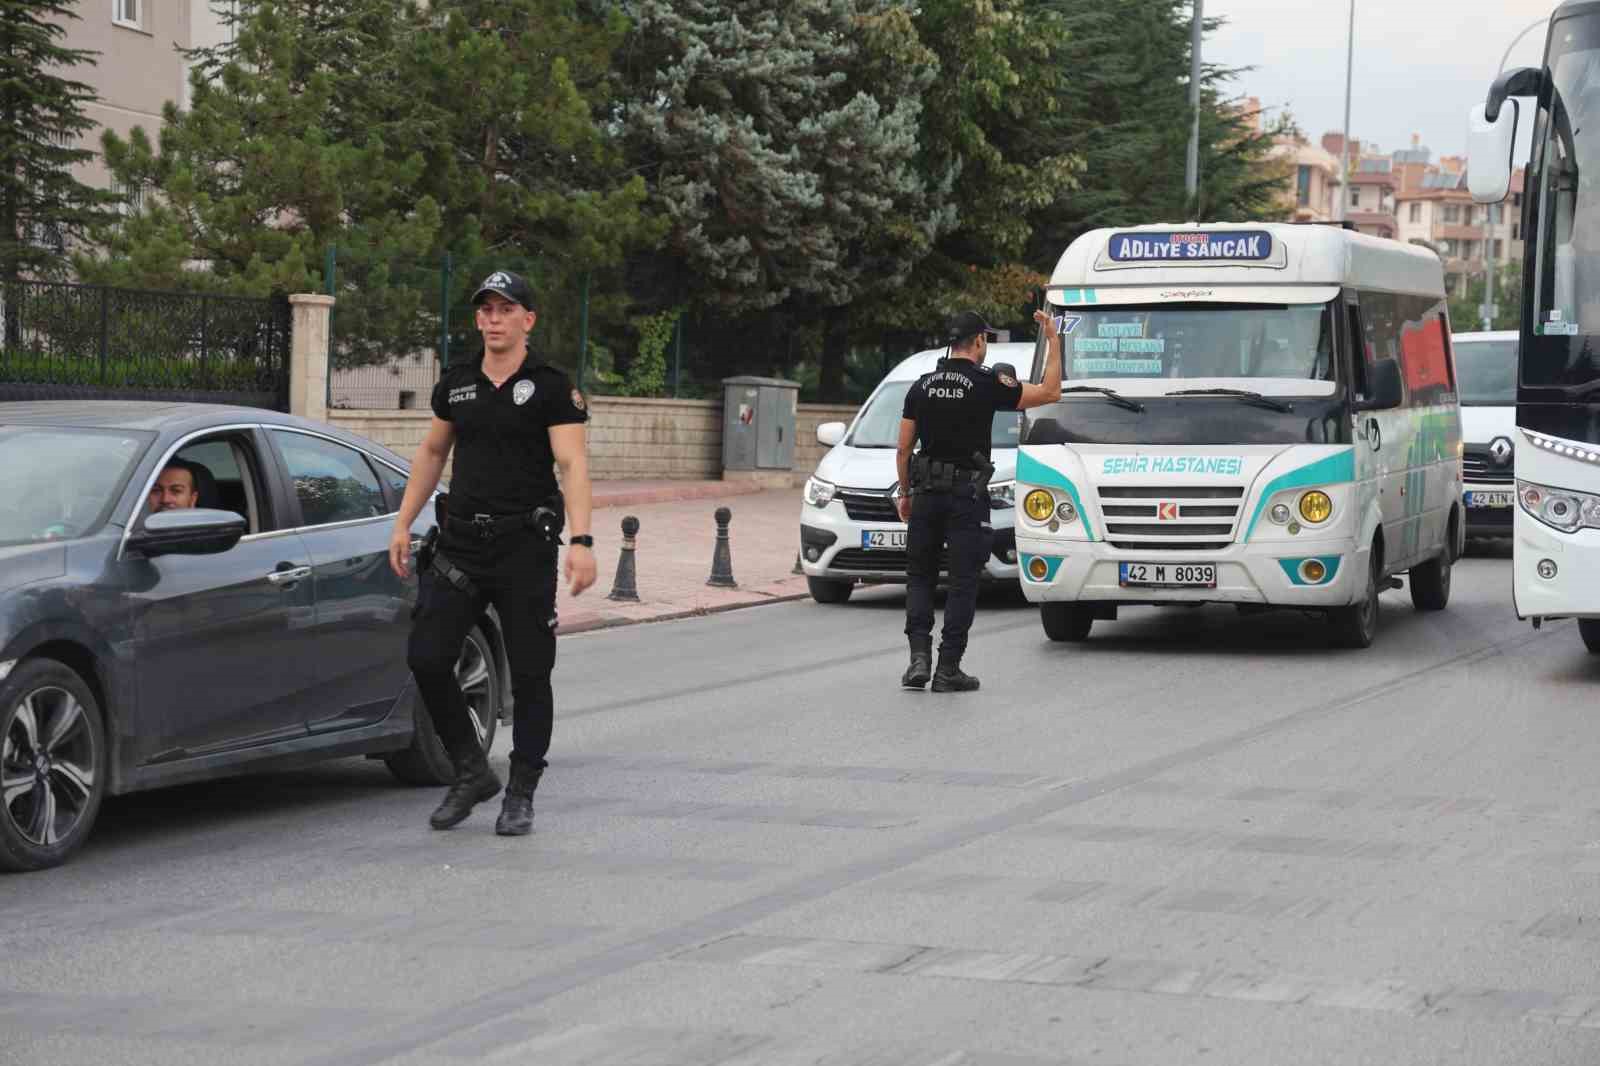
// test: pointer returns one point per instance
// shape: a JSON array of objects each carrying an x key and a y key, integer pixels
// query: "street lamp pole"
[
  {"x": 1490, "y": 261},
  {"x": 1344, "y": 149},
  {"x": 1191, "y": 178}
]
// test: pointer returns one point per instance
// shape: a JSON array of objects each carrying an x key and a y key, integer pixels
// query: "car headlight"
[
  {"x": 819, "y": 493},
  {"x": 1039, "y": 505},
  {"x": 1002, "y": 494},
  {"x": 1561, "y": 509},
  {"x": 1316, "y": 507}
]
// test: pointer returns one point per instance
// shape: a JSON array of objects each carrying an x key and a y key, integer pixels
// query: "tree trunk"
[{"x": 835, "y": 349}]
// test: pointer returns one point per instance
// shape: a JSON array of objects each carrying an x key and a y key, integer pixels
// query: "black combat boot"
[
  {"x": 916, "y": 674},
  {"x": 949, "y": 678},
  {"x": 474, "y": 783},
  {"x": 516, "y": 810}
]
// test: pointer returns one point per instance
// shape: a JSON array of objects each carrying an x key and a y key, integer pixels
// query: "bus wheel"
[
  {"x": 1430, "y": 583},
  {"x": 1069, "y": 622},
  {"x": 1589, "y": 630},
  {"x": 1357, "y": 625}
]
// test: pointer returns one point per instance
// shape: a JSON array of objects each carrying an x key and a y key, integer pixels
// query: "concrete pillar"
[{"x": 309, "y": 354}]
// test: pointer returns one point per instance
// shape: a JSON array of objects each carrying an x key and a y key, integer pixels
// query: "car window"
[
  {"x": 333, "y": 482},
  {"x": 227, "y": 478},
  {"x": 395, "y": 481},
  {"x": 60, "y": 482}
]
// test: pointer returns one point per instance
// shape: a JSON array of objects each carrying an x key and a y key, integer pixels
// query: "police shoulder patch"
[{"x": 578, "y": 400}]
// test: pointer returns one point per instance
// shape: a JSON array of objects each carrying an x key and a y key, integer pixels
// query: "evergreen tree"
[{"x": 43, "y": 207}]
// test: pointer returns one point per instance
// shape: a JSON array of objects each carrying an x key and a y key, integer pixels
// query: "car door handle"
[{"x": 289, "y": 576}]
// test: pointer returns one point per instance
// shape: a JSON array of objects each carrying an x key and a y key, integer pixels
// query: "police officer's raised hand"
[
  {"x": 400, "y": 552},
  {"x": 1046, "y": 321},
  {"x": 579, "y": 568}
]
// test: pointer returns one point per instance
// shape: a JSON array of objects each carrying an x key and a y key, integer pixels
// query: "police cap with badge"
[{"x": 513, "y": 287}]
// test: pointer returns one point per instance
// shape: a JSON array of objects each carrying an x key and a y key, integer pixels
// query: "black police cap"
[
  {"x": 513, "y": 287},
  {"x": 967, "y": 324}
]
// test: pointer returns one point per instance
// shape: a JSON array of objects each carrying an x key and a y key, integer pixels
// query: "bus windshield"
[{"x": 1207, "y": 341}]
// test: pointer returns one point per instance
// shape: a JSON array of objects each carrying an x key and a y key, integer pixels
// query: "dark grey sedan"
[{"x": 260, "y": 628}]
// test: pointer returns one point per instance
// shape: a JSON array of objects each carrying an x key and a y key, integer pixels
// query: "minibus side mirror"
[{"x": 1386, "y": 391}]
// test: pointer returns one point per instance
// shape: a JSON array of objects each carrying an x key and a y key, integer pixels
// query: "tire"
[
  {"x": 1589, "y": 630},
  {"x": 1430, "y": 584},
  {"x": 827, "y": 590},
  {"x": 1069, "y": 622},
  {"x": 53, "y": 761},
  {"x": 1356, "y": 626},
  {"x": 426, "y": 762}
]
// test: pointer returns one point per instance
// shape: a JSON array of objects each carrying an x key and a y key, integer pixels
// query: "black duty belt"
[{"x": 489, "y": 526}]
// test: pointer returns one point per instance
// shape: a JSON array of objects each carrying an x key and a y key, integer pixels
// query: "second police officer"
[
  {"x": 951, "y": 412},
  {"x": 510, "y": 420}
]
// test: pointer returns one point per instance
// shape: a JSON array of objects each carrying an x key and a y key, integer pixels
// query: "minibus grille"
[{"x": 1171, "y": 517}]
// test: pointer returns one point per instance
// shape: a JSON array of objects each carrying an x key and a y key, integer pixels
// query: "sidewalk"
[{"x": 676, "y": 542}]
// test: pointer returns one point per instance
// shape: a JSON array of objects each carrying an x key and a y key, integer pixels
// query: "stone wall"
[{"x": 644, "y": 440}]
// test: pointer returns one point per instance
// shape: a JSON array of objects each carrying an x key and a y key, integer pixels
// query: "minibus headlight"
[
  {"x": 1039, "y": 505},
  {"x": 1038, "y": 569},
  {"x": 1316, "y": 507}
]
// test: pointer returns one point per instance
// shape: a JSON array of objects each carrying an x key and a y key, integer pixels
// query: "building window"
[
  {"x": 1516, "y": 199},
  {"x": 1516, "y": 231},
  {"x": 1497, "y": 248},
  {"x": 1447, "y": 248},
  {"x": 1355, "y": 197},
  {"x": 128, "y": 13},
  {"x": 1416, "y": 212},
  {"x": 131, "y": 197},
  {"x": 1302, "y": 186},
  {"x": 1452, "y": 212}
]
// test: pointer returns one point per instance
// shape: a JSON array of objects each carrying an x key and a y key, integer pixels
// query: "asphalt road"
[{"x": 1199, "y": 838}]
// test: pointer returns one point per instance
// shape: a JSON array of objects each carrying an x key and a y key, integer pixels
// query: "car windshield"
[
  {"x": 1207, "y": 341},
  {"x": 1487, "y": 372},
  {"x": 879, "y": 424},
  {"x": 61, "y": 482}
]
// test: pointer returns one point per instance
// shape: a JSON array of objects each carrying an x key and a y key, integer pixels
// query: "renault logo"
[{"x": 1500, "y": 451}]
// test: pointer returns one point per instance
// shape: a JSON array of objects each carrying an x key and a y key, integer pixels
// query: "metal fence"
[{"x": 65, "y": 341}]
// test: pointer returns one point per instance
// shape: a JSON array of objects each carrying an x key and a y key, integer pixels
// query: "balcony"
[{"x": 1456, "y": 231}]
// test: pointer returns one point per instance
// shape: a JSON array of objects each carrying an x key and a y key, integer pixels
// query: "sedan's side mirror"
[
  {"x": 1386, "y": 390},
  {"x": 194, "y": 531},
  {"x": 830, "y": 433}
]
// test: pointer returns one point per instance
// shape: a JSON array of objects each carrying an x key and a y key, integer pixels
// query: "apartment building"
[
  {"x": 1439, "y": 212},
  {"x": 1371, "y": 196},
  {"x": 1311, "y": 182}
]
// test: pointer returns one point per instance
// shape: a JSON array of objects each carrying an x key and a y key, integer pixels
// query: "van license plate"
[
  {"x": 883, "y": 539},
  {"x": 1167, "y": 575},
  {"x": 1489, "y": 499}
]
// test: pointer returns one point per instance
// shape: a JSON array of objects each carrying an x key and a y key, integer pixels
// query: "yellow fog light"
[
  {"x": 1315, "y": 507},
  {"x": 1039, "y": 505},
  {"x": 1038, "y": 569},
  {"x": 1313, "y": 571}
]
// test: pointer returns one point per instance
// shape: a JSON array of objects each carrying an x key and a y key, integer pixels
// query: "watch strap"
[{"x": 581, "y": 538}]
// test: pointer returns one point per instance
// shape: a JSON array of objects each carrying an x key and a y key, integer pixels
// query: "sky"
[{"x": 1419, "y": 64}]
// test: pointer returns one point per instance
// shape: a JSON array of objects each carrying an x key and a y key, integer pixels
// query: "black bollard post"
[
  {"x": 625, "y": 587},
  {"x": 798, "y": 569},
  {"x": 722, "y": 559}
]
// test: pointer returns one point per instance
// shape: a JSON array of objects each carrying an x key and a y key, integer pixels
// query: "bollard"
[
  {"x": 798, "y": 569},
  {"x": 625, "y": 587},
  {"x": 722, "y": 559}
]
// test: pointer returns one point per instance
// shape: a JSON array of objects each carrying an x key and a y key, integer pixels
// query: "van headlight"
[
  {"x": 1316, "y": 507},
  {"x": 1002, "y": 495},
  {"x": 1561, "y": 509},
  {"x": 1039, "y": 505},
  {"x": 819, "y": 493}
]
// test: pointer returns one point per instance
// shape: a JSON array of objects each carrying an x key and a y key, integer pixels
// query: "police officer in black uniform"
[
  {"x": 511, "y": 419},
  {"x": 951, "y": 411}
]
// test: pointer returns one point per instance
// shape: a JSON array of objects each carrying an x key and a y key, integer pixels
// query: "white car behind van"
[
  {"x": 1486, "y": 378},
  {"x": 850, "y": 533}
]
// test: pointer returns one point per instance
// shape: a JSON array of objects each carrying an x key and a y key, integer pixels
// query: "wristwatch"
[{"x": 581, "y": 538}]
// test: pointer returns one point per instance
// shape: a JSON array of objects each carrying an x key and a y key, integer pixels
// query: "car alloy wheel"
[
  {"x": 475, "y": 678},
  {"x": 47, "y": 766}
]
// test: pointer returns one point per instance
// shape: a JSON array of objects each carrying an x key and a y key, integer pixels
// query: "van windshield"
[
  {"x": 1487, "y": 372},
  {"x": 1200, "y": 341},
  {"x": 879, "y": 424}
]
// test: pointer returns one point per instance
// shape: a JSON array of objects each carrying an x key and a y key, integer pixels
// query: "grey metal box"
[{"x": 758, "y": 420}]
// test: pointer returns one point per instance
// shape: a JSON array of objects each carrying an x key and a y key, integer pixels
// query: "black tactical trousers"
[
  {"x": 516, "y": 574},
  {"x": 959, "y": 519}
]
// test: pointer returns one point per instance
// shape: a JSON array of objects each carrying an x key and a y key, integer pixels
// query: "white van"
[
  {"x": 1263, "y": 415},
  {"x": 1487, "y": 366},
  {"x": 850, "y": 533}
]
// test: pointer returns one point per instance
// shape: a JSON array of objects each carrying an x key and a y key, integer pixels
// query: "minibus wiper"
[
  {"x": 1111, "y": 394},
  {"x": 1243, "y": 394}
]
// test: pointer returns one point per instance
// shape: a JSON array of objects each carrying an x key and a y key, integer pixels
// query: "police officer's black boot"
[
  {"x": 921, "y": 667},
  {"x": 474, "y": 783},
  {"x": 516, "y": 810},
  {"x": 949, "y": 678}
]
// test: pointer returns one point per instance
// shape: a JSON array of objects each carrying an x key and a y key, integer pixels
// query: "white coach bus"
[{"x": 1264, "y": 415}]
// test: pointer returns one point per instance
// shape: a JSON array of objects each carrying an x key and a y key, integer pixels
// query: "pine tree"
[{"x": 43, "y": 207}]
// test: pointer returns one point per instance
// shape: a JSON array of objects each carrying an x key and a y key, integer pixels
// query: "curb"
[
  {"x": 595, "y": 623},
  {"x": 689, "y": 490}
]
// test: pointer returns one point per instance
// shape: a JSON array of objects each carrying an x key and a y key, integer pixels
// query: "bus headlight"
[
  {"x": 1280, "y": 513},
  {"x": 1316, "y": 507},
  {"x": 1067, "y": 513},
  {"x": 1562, "y": 509},
  {"x": 819, "y": 493},
  {"x": 1039, "y": 505}
]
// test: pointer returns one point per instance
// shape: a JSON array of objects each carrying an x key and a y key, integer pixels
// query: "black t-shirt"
[
  {"x": 954, "y": 408},
  {"x": 503, "y": 461}
]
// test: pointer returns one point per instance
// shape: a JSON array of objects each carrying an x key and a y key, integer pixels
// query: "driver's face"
[{"x": 174, "y": 490}]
